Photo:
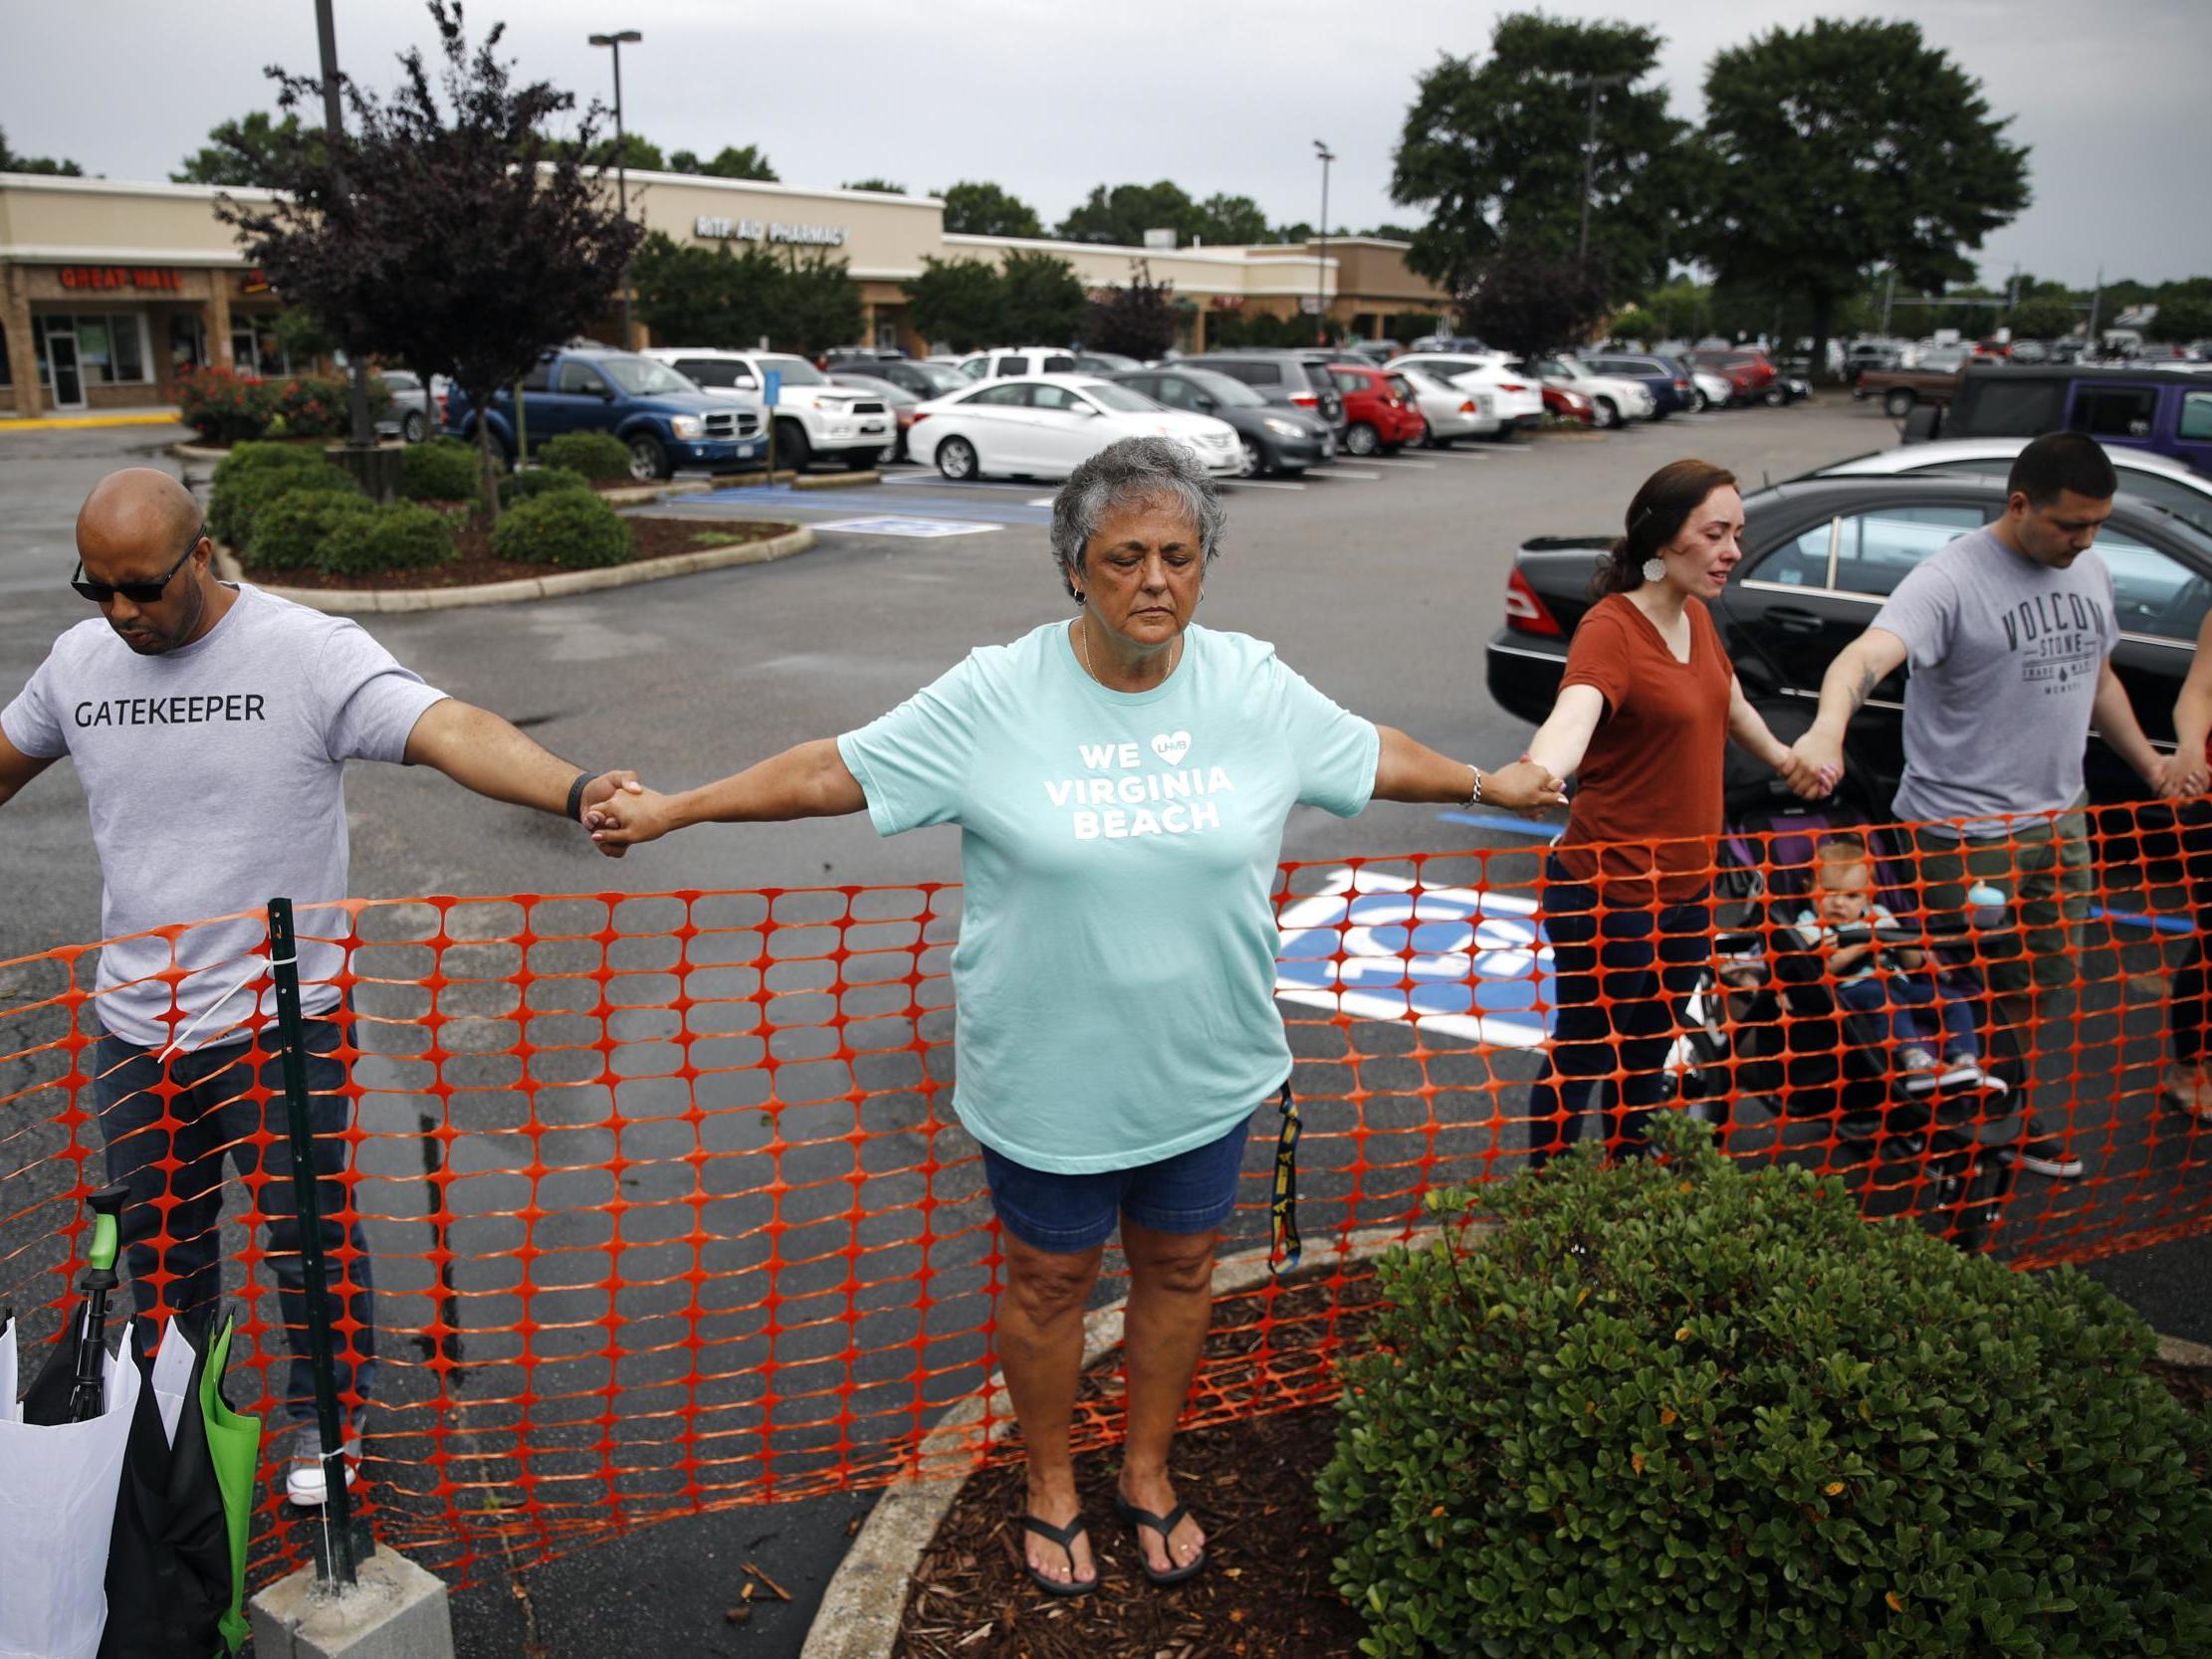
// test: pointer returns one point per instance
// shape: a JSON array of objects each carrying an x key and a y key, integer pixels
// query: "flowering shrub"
[{"x": 229, "y": 408}]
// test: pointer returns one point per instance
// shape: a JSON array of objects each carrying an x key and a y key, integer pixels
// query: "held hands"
[
  {"x": 2177, "y": 775},
  {"x": 617, "y": 810},
  {"x": 601, "y": 790},
  {"x": 1812, "y": 766},
  {"x": 1524, "y": 787}
]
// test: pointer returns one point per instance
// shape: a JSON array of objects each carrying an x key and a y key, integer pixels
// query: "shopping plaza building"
[{"x": 107, "y": 288}]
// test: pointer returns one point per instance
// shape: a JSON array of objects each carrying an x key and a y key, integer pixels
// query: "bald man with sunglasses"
[{"x": 210, "y": 724}]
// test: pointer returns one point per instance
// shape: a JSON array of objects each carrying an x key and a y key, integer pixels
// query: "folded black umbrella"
[{"x": 170, "y": 1570}]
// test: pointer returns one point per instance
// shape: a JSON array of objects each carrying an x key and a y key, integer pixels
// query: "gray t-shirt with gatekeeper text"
[
  {"x": 215, "y": 778},
  {"x": 2006, "y": 655}
]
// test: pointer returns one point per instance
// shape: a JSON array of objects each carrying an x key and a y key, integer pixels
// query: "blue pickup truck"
[{"x": 666, "y": 421}]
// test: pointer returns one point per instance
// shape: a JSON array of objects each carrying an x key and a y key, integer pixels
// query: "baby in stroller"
[{"x": 1929, "y": 1022}]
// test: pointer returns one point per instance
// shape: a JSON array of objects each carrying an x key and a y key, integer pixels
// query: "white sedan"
[
  {"x": 1451, "y": 411},
  {"x": 1617, "y": 400},
  {"x": 2181, "y": 491},
  {"x": 1518, "y": 400},
  {"x": 1047, "y": 425}
]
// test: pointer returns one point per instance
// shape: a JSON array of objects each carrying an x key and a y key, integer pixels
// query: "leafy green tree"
[
  {"x": 976, "y": 208},
  {"x": 1527, "y": 303},
  {"x": 2184, "y": 319},
  {"x": 242, "y": 151},
  {"x": 1137, "y": 320},
  {"x": 1043, "y": 301},
  {"x": 693, "y": 295},
  {"x": 12, "y": 162},
  {"x": 1637, "y": 324},
  {"x": 815, "y": 304},
  {"x": 2039, "y": 317},
  {"x": 884, "y": 186},
  {"x": 639, "y": 153},
  {"x": 959, "y": 301},
  {"x": 1229, "y": 219},
  {"x": 739, "y": 161},
  {"x": 449, "y": 247},
  {"x": 1847, "y": 145},
  {"x": 1121, "y": 214},
  {"x": 1494, "y": 151},
  {"x": 1393, "y": 233}
]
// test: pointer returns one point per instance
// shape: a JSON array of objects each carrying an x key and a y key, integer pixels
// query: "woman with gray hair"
[{"x": 1121, "y": 783}]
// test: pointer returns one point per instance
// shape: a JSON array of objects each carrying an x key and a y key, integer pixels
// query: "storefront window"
[
  {"x": 254, "y": 349},
  {"x": 92, "y": 351},
  {"x": 187, "y": 342},
  {"x": 7, "y": 379},
  {"x": 102, "y": 350}
]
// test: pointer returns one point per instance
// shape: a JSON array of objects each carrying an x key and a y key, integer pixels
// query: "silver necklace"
[{"x": 1083, "y": 651}]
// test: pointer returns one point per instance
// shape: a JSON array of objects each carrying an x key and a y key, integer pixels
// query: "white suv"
[
  {"x": 1004, "y": 360},
  {"x": 813, "y": 416}
]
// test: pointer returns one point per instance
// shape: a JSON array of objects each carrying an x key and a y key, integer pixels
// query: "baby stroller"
[{"x": 1771, "y": 1056}]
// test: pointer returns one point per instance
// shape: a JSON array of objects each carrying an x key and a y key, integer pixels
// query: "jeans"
[
  {"x": 1620, "y": 978},
  {"x": 1914, "y": 1008},
  {"x": 175, "y": 1257}
]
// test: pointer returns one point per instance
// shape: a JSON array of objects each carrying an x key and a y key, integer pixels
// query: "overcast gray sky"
[{"x": 1050, "y": 96}]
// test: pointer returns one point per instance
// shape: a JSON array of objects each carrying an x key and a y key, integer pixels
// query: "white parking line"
[
  {"x": 1339, "y": 472},
  {"x": 1395, "y": 460},
  {"x": 1458, "y": 454},
  {"x": 1261, "y": 484}
]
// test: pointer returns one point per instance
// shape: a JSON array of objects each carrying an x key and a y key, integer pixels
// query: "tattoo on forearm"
[{"x": 1868, "y": 681}]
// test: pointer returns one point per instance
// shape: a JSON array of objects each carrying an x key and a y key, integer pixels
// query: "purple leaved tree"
[{"x": 466, "y": 239}]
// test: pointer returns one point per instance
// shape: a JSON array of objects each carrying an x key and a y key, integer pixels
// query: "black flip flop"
[
  {"x": 1065, "y": 1538},
  {"x": 1165, "y": 1526}
]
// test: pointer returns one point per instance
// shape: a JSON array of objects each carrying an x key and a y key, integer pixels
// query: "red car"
[
  {"x": 1570, "y": 405},
  {"x": 1751, "y": 378},
  {"x": 1379, "y": 414}
]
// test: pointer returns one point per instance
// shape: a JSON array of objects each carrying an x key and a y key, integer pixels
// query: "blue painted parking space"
[{"x": 1462, "y": 963}]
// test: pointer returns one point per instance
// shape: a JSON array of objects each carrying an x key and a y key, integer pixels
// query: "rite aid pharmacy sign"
[{"x": 762, "y": 230}]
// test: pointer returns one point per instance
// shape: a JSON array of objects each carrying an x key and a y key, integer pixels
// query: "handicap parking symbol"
[
  {"x": 921, "y": 528},
  {"x": 1462, "y": 962}
]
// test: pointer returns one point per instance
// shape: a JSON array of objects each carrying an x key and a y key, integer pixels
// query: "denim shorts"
[{"x": 1064, "y": 1216}]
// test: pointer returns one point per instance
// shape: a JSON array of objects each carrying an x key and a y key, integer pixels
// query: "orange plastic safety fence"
[{"x": 666, "y": 1207}]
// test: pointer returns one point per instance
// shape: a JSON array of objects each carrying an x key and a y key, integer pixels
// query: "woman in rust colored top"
[{"x": 1644, "y": 712}]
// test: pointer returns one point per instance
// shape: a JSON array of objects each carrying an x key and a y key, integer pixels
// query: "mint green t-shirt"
[{"x": 1114, "y": 980}]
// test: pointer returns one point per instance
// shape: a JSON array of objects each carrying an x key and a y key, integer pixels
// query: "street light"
[
  {"x": 1594, "y": 83},
  {"x": 1321, "y": 263},
  {"x": 622, "y": 156}
]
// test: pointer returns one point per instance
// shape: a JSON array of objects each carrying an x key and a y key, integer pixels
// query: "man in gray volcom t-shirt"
[
  {"x": 2008, "y": 631},
  {"x": 210, "y": 726}
]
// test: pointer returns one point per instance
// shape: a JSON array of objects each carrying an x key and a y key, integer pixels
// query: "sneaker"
[
  {"x": 2046, "y": 1154},
  {"x": 1919, "y": 1068},
  {"x": 304, "y": 1482},
  {"x": 1961, "y": 1071}
]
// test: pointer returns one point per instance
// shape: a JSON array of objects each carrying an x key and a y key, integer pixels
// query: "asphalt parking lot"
[{"x": 1379, "y": 581}]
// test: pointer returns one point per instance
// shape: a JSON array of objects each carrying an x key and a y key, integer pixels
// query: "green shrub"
[
  {"x": 224, "y": 408},
  {"x": 570, "y": 528},
  {"x": 289, "y": 532},
  {"x": 401, "y": 536},
  {"x": 253, "y": 475},
  {"x": 539, "y": 481},
  {"x": 598, "y": 456},
  {"x": 440, "y": 469},
  {"x": 1689, "y": 1409}
]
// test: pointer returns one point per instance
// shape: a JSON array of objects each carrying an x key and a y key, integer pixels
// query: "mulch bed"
[
  {"x": 649, "y": 538},
  {"x": 1265, "y": 1594}
]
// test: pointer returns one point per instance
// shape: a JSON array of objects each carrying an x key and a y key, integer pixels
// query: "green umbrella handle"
[{"x": 107, "y": 1207}]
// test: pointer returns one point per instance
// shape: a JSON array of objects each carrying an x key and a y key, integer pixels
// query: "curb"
[
  {"x": 865, "y": 1603},
  {"x": 2178, "y": 1351},
  {"x": 66, "y": 423},
  {"x": 834, "y": 481},
  {"x": 339, "y": 602}
]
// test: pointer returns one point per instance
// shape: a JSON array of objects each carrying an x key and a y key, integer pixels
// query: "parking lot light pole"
[
  {"x": 621, "y": 158},
  {"x": 1321, "y": 261},
  {"x": 1594, "y": 84}
]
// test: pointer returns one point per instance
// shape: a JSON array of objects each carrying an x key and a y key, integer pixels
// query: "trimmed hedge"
[
  {"x": 401, "y": 536},
  {"x": 539, "y": 481},
  {"x": 440, "y": 469},
  {"x": 254, "y": 474},
  {"x": 571, "y": 528},
  {"x": 290, "y": 531},
  {"x": 231, "y": 408},
  {"x": 1686, "y": 1407},
  {"x": 598, "y": 456}
]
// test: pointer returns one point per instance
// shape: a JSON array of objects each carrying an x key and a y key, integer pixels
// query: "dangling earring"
[
  {"x": 1655, "y": 570},
  {"x": 1078, "y": 598}
]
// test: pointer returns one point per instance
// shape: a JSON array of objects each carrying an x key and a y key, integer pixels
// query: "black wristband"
[{"x": 584, "y": 780}]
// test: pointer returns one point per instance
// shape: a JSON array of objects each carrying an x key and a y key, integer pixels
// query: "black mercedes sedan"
[{"x": 1820, "y": 554}]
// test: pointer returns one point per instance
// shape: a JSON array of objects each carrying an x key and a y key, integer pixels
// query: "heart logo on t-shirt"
[{"x": 1172, "y": 747}]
